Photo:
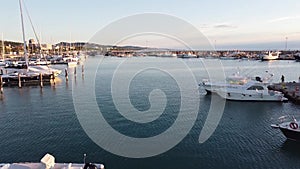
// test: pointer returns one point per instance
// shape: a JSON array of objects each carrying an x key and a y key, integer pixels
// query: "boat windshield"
[{"x": 256, "y": 88}]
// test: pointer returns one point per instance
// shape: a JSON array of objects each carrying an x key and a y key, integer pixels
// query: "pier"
[
  {"x": 21, "y": 80},
  {"x": 291, "y": 90}
]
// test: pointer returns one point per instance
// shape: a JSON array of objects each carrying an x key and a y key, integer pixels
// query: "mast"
[
  {"x": 23, "y": 32},
  {"x": 3, "y": 48}
]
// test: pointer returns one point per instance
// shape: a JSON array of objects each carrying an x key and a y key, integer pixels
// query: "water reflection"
[{"x": 291, "y": 147}]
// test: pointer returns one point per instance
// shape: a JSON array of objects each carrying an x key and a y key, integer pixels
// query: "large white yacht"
[
  {"x": 251, "y": 91},
  {"x": 242, "y": 88}
]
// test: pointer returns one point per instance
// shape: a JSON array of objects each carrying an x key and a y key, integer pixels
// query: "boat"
[
  {"x": 297, "y": 57},
  {"x": 44, "y": 70},
  {"x": 187, "y": 55},
  {"x": 270, "y": 56},
  {"x": 242, "y": 88},
  {"x": 2, "y": 62},
  {"x": 48, "y": 162},
  {"x": 251, "y": 91},
  {"x": 38, "y": 61},
  {"x": 22, "y": 66},
  {"x": 232, "y": 80},
  {"x": 71, "y": 61},
  {"x": 290, "y": 128}
]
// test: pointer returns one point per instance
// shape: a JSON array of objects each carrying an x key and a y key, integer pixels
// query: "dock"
[
  {"x": 21, "y": 80},
  {"x": 291, "y": 90}
]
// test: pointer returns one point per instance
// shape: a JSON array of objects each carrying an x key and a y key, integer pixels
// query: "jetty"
[
  {"x": 291, "y": 90},
  {"x": 21, "y": 80}
]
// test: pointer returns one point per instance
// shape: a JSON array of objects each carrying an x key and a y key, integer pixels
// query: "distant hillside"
[{"x": 13, "y": 44}]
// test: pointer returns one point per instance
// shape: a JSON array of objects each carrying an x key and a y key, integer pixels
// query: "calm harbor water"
[{"x": 34, "y": 121}]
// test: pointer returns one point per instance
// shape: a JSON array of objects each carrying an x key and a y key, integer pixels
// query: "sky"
[{"x": 227, "y": 24}]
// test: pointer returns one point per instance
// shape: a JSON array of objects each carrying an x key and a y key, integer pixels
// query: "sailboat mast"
[
  {"x": 23, "y": 32},
  {"x": 3, "y": 48}
]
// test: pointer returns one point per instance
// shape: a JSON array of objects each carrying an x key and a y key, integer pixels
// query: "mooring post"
[
  {"x": 75, "y": 71},
  {"x": 82, "y": 69},
  {"x": 41, "y": 79},
  {"x": 19, "y": 80},
  {"x": 66, "y": 74},
  {"x": 1, "y": 85},
  {"x": 53, "y": 78}
]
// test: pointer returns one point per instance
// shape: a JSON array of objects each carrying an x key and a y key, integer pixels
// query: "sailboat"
[
  {"x": 25, "y": 74},
  {"x": 23, "y": 67}
]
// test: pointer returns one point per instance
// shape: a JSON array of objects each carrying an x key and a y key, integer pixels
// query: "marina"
[
  {"x": 143, "y": 85},
  {"x": 27, "y": 111}
]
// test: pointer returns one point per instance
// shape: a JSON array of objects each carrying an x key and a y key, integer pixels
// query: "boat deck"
[{"x": 42, "y": 166}]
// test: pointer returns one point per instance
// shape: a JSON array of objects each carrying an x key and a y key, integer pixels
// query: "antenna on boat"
[
  {"x": 23, "y": 32},
  {"x": 84, "y": 157}
]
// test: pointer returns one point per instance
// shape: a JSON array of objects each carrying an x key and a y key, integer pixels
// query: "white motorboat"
[
  {"x": 290, "y": 128},
  {"x": 39, "y": 61},
  {"x": 270, "y": 56},
  {"x": 48, "y": 162},
  {"x": 187, "y": 55},
  {"x": 71, "y": 61},
  {"x": 251, "y": 91},
  {"x": 235, "y": 79},
  {"x": 2, "y": 62}
]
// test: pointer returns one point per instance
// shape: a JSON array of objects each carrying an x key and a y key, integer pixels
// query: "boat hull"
[
  {"x": 290, "y": 134},
  {"x": 251, "y": 97}
]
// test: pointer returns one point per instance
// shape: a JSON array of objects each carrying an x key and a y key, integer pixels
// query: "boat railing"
[{"x": 288, "y": 118}]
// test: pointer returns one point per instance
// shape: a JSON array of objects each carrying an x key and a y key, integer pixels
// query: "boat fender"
[{"x": 294, "y": 125}]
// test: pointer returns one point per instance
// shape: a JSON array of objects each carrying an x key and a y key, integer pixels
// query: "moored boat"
[
  {"x": 270, "y": 56},
  {"x": 251, "y": 91},
  {"x": 290, "y": 129},
  {"x": 48, "y": 162},
  {"x": 234, "y": 79},
  {"x": 71, "y": 61},
  {"x": 242, "y": 88}
]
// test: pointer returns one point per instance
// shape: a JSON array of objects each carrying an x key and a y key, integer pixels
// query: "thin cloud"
[
  {"x": 224, "y": 26},
  {"x": 217, "y": 26},
  {"x": 284, "y": 19}
]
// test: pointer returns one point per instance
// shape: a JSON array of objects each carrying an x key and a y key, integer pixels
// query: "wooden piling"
[
  {"x": 53, "y": 77},
  {"x": 82, "y": 69},
  {"x": 1, "y": 85},
  {"x": 41, "y": 79},
  {"x": 19, "y": 80},
  {"x": 75, "y": 71},
  {"x": 66, "y": 74}
]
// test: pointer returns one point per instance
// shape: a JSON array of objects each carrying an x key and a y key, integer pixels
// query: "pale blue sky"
[{"x": 227, "y": 23}]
